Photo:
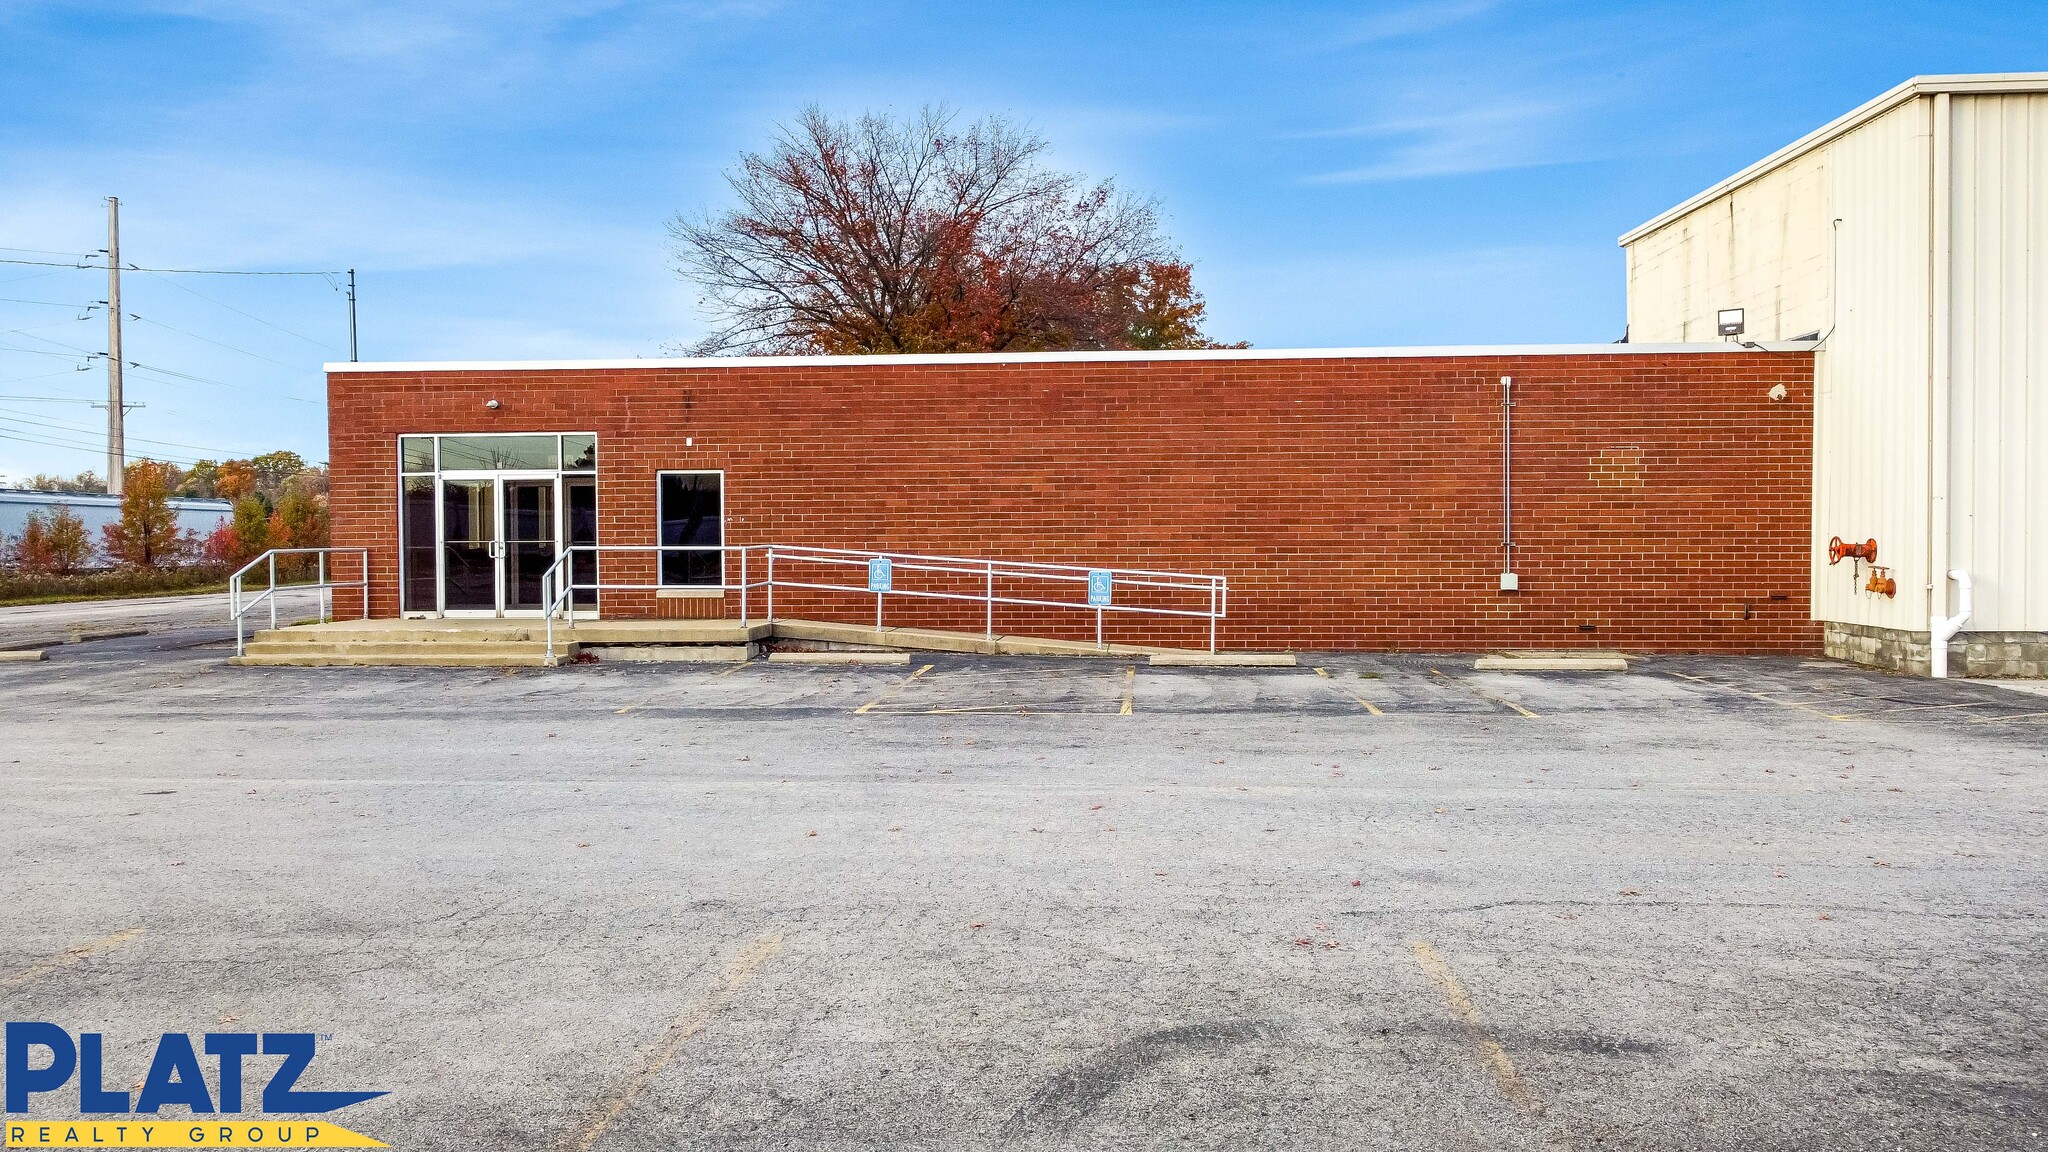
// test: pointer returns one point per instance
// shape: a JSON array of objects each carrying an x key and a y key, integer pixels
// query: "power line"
[
  {"x": 51, "y": 303},
  {"x": 42, "y": 376},
  {"x": 30, "y": 276},
  {"x": 14, "y": 417},
  {"x": 51, "y": 324},
  {"x": 40, "y": 352},
  {"x": 94, "y": 449},
  {"x": 215, "y": 343},
  {"x": 324, "y": 273},
  {"x": 49, "y": 264},
  {"x": 239, "y": 312},
  {"x": 222, "y": 383}
]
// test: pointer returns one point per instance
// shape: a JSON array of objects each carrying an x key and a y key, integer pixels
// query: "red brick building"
[{"x": 1660, "y": 495}]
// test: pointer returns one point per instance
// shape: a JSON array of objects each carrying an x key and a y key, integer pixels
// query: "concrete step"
[
  {"x": 672, "y": 653},
  {"x": 408, "y": 660},
  {"x": 333, "y": 634},
  {"x": 403, "y": 648},
  {"x": 588, "y": 632},
  {"x": 939, "y": 640}
]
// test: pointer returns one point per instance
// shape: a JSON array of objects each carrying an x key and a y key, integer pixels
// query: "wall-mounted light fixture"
[
  {"x": 491, "y": 404},
  {"x": 1728, "y": 322}
]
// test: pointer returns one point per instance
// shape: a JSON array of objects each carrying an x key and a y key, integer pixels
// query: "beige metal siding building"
[{"x": 1909, "y": 238}]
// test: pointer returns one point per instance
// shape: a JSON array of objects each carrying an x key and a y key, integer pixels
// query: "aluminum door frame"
[{"x": 497, "y": 477}]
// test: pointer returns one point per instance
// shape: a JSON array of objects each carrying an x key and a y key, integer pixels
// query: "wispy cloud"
[
  {"x": 1502, "y": 134},
  {"x": 1396, "y": 23}
]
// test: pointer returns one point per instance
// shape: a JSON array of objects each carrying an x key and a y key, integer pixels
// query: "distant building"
[{"x": 200, "y": 517}]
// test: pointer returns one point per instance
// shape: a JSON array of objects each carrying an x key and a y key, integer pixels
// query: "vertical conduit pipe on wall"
[
  {"x": 1508, "y": 581},
  {"x": 1939, "y": 388}
]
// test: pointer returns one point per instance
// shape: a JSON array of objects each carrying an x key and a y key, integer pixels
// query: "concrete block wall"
[
  {"x": 1662, "y": 501},
  {"x": 2020, "y": 655}
]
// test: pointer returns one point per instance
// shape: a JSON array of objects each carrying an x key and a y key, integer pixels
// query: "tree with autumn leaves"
[{"x": 880, "y": 235}]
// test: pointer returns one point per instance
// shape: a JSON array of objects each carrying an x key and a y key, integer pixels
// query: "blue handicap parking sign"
[
  {"x": 1098, "y": 588},
  {"x": 880, "y": 572}
]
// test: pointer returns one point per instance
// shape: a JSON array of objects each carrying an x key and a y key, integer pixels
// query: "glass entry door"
[
  {"x": 500, "y": 534},
  {"x": 527, "y": 527},
  {"x": 469, "y": 547},
  {"x": 483, "y": 517}
]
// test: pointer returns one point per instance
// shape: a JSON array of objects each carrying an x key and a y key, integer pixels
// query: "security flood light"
[{"x": 1729, "y": 321}]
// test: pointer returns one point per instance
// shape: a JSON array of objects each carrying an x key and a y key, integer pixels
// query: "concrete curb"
[
  {"x": 839, "y": 657},
  {"x": 1224, "y": 660},
  {"x": 1551, "y": 662},
  {"x": 672, "y": 653},
  {"x": 22, "y": 656}
]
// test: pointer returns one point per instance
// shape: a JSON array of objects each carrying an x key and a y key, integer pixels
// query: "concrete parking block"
[
  {"x": 1223, "y": 660},
  {"x": 1551, "y": 662}
]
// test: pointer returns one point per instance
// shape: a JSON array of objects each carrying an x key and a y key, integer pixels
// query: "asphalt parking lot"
[{"x": 1374, "y": 902}]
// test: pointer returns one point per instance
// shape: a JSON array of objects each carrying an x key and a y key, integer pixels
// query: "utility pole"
[
  {"x": 352, "y": 315},
  {"x": 117, "y": 449}
]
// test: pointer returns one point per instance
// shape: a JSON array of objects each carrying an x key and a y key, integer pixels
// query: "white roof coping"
[
  {"x": 968, "y": 358},
  {"x": 101, "y": 499},
  {"x": 1984, "y": 83}
]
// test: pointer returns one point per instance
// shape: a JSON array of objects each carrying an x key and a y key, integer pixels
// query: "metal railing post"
[
  {"x": 743, "y": 584},
  {"x": 273, "y": 590},
  {"x": 366, "y": 583},
  {"x": 547, "y": 598},
  {"x": 988, "y": 600},
  {"x": 1211, "y": 613},
  {"x": 771, "y": 583},
  {"x": 326, "y": 594},
  {"x": 235, "y": 608}
]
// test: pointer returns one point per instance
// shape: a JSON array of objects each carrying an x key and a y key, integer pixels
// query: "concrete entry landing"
[{"x": 523, "y": 643}]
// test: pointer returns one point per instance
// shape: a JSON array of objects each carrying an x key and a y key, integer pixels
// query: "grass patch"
[{"x": 118, "y": 585}]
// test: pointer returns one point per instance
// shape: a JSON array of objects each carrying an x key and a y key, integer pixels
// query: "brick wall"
[{"x": 1661, "y": 499}]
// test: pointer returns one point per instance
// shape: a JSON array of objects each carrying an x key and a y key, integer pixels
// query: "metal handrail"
[
  {"x": 558, "y": 594},
  {"x": 238, "y": 607}
]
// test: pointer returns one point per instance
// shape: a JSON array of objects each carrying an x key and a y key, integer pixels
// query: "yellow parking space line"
[
  {"x": 740, "y": 970},
  {"x": 2003, "y": 719},
  {"x": 1368, "y": 705},
  {"x": 1908, "y": 708},
  {"x": 891, "y": 690},
  {"x": 1513, "y": 1087},
  {"x": 67, "y": 958},
  {"x": 1486, "y": 695},
  {"x": 991, "y": 710},
  {"x": 1130, "y": 690},
  {"x": 1757, "y": 696},
  {"x": 667, "y": 688}
]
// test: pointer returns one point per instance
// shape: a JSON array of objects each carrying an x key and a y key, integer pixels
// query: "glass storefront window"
[
  {"x": 491, "y": 453},
  {"x": 690, "y": 507},
  {"x": 416, "y": 533},
  {"x": 579, "y": 453},
  {"x": 416, "y": 453}
]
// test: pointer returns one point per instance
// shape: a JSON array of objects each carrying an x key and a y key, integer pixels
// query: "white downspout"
[
  {"x": 1943, "y": 629},
  {"x": 1940, "y": 389}
]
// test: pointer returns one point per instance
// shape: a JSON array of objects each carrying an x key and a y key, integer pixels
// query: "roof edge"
[
  {"x": 1987, "y": 83},
  {"x": 978, "y": 358}
]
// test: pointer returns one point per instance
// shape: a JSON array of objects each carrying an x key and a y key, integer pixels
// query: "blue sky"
[{"x": 1412, "y": 172}]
